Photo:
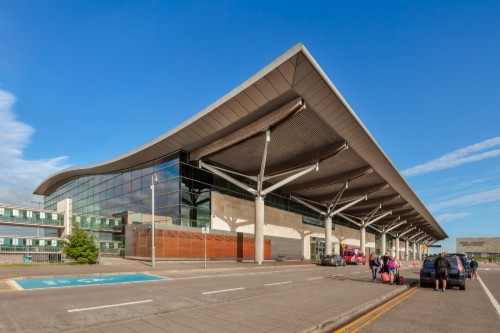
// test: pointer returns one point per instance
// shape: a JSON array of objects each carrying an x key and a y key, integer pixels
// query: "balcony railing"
[
  {"x": 32, "y": 221},
  {"x": 29, "y": 249}
]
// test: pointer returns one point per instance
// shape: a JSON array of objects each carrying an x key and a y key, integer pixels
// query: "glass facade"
[{"x": 182, "y": 194}]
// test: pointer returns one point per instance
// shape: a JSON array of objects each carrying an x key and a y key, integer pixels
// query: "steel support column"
[
  {"x": 384, "y": 242},
  {"x": 259, "y": 230},
  {"x": 362, "y": 240},
  {"x": 397, "y": 248},
  {"x": 260, "y": 193},
  {"x": 328, "y": 236},
  {"x": 330, "y": 212}
]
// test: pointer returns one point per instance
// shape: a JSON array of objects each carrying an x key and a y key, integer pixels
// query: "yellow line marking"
[
  {"x": 382, "y": 312},
  {"x": 378, "y": 308}
]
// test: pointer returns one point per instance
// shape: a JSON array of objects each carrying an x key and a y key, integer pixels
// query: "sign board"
[
  {"x": 205, "y": 230},
  {"x": 343, "y": 245},
  {"x": 424, "y": 247}
]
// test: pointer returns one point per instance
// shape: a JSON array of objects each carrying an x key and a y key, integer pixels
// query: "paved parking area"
[{"x": 42, "y": 283}]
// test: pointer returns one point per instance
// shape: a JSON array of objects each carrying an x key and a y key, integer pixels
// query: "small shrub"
[{"x": 80, "y": 246}]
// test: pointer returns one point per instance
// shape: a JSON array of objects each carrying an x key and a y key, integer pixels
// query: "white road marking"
[
  {"x": 221, "y": 291},
  {"x": 239, "y": 274},
  {"x": 492, "y": 298},
  {"x": 110, "y": 306},
  {"x": 16, "y": 285},
  {"x": 273, "y": 284},
  {"x": 316, "y": 278},
  {"x": 338, "y": 274},
  {"x": 355, "y": 273}
]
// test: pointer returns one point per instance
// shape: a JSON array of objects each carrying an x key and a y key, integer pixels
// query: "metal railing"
[
  {"x": 34, "y": 249},
  {"x": 31, "y": 221},
  {"x": 31, "y": 257}
]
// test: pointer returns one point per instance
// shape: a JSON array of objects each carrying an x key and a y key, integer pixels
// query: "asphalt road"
[
  {"x": 61, "y": 309},
  {"x": 427, "y": 310}
]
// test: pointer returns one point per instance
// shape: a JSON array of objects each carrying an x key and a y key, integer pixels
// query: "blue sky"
[{"x": 85, "y": 81}]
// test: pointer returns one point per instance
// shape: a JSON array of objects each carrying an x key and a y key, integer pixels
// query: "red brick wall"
[{"x": 181, "y": 244}]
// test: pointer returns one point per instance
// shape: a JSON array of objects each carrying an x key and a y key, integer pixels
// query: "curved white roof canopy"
[{"x": 309, "y": 121}]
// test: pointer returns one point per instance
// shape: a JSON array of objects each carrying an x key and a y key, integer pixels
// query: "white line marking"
[
  {"x": 316, "y": 278},
  {"x": 110, "y": 306},
  {"x": 238, "y": 274},
  {"x": 16, "y": 285},
  {"x": 355, "y": 273},
  {"x": 221, "y": 291},
  {"x": 273, "y": 284},
  {"x": 338, "y": 274},
  {"x": 492, "y": 298}
]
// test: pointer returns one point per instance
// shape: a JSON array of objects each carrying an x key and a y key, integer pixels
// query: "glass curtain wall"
[{"x": 182, "y": 194}]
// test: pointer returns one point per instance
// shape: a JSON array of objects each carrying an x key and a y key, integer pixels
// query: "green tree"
[{"x": 80, "y": 246}]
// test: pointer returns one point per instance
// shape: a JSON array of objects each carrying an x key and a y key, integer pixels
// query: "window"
[
  {"x": 42, "y": 215},
  {"x": 29, "y": 242},
  {"x": 54, "y": 242},
  {"x": 41, "y": 242},
  {"x": 29, "y": 214},
  {"x": 15, "y": 213},
  {"x": 2, "y": 212},
  {"x": 1, "y": 240},
  {"x": 54, "y": 217},
  {"x": 15, "y": 241}
]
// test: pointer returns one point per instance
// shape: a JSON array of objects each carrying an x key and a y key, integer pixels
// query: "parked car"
[
  {"x": 334, "y": 260},
  {"x": 354, "y": 256},
  {"x": 456, "y": 273},
  {"x": 281, "y": 257}
]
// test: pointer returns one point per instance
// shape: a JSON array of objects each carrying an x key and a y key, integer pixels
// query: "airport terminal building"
[
  {"x": 485, "y": 247},
  {"x": 280, "y": 165}
]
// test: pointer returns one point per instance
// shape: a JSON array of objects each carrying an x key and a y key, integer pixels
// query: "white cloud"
[
  {"x": 469, "y": 200},
  {"x": 451, "y": 217},
  {"x": 458, "y": 157},
  {"x": 19, "y": 177}
]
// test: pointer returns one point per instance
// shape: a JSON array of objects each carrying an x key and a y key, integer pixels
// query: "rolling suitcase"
[
  {"x": 385, "y": 277},
  {"x": 399, "y": 279}
]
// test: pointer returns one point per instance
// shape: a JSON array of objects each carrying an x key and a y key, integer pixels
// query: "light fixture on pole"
[{"x": 154, "y": 180}]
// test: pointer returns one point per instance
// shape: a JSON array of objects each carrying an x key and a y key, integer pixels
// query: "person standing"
[
  {"x": 374, "y": 263},
  {"x": 392, "y": 265},
  {"x": 441, "y": 267},
  {"x": 385, "y": 259},
  {"x": 474, "y": 265}
]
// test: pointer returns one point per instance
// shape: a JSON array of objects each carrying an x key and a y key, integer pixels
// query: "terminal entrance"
[{"x": 317, "y": 248}]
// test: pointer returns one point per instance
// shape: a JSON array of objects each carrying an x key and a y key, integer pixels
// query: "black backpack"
[{"x": 442, "y": 263}]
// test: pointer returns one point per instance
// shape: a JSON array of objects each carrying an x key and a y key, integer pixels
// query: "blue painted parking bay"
[{"x": 43, "y": 283}]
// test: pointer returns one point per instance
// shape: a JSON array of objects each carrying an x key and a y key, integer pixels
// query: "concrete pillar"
[
  {"x": 66, "y": 206},
  {"x": 397, "y": 249},
  {"x": 414, "y": 253},
  {"x": 328, "y": 236},
  {"x": 407, "y": 250},
  {"x": 259, "y": 230},
  {"x": 362, "y": 239},
  {"x": 383, "y": 242}
]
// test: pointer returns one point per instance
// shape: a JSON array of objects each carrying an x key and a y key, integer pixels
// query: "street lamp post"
[
  {"x": 205, "y": 230},
  {"x": 154, "y": 180}
]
